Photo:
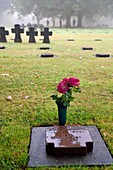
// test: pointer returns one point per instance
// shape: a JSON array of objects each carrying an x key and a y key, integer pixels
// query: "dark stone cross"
[
  {"x": 17, "y": 30},
  {"x": 3, "y": 34},
  {"x": 32, "y": 33},
  {"x": 46, "y": 35}
]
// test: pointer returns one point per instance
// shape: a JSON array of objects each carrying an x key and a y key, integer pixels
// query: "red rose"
[
  {"x": 73, "y": 81},
  {"x": 63, "y": 86}
]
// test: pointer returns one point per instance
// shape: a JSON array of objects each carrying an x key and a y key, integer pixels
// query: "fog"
[{"x": 10, "y": 20}]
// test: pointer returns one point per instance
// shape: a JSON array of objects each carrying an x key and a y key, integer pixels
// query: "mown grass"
[{"x": 26, "y": 74}]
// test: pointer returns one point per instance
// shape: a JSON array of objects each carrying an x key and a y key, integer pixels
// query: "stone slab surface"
[{"x": 38, "y": 156}]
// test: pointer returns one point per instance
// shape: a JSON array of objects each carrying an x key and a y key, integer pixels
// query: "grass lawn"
[{"x": 31, "y": 80}]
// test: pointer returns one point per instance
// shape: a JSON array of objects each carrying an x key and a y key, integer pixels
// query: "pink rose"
[
  {"x": 63, "y": 86},
  {"x": 73, "y": 81}
]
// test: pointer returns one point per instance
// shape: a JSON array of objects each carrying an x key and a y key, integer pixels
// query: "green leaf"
[
  {"x": 66, "y": 104},
  {"x": 54, "y": 97},
  {"x": 72, "y": 98},
  {"x": 77, "y": 90}
]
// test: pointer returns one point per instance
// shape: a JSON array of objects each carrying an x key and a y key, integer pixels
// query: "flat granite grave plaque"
[
  {"x": 38, "y": 156},
  {"x": 44, "y": 48},
  {"x": 70, "y": 39},
  {"x": 2, "y": 47},
  {"x": 98, "y": 39},
  {"x": 102, "y": 55},
  {"x": 87, "y": 48},
  {"x": 67, "y": 140},
  {"x": 47, "y": 55}
]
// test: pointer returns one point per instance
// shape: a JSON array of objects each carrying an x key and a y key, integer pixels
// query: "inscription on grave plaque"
[{"x": 68, "y": 140}]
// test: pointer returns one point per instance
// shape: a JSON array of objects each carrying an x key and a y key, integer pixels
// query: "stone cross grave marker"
[
  {"x": 32, "y": 33},
  {"x": 17, "y": 30},
  {"x": 62, "y": 140},
  {"x": 3, "y": 34},
  {"x": 46, "y": 35}
]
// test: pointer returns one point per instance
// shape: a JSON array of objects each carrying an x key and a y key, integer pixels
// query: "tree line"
[{"x": 65, "y": 9}]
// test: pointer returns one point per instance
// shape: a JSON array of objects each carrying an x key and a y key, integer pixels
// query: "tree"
[
  {"x": 86, "y": 8},
  {"x": 40, "y": 8}
]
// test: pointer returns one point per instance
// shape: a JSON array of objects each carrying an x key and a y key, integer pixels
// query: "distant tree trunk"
[
  {"x": 53, "y": 19},
  {"x": 79, "y": 21},
  {"x": 68, "y": 21},
  {"x": 38, "y": 20}
]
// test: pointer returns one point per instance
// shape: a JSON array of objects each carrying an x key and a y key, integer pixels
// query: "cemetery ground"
[{"x": 27, "y": 81}]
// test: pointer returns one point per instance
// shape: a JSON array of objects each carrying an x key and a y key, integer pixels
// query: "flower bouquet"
[{"x": 65, "y": 88}]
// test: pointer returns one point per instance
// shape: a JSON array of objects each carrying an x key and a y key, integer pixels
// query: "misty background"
[{"x": 71, "y": 13}]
